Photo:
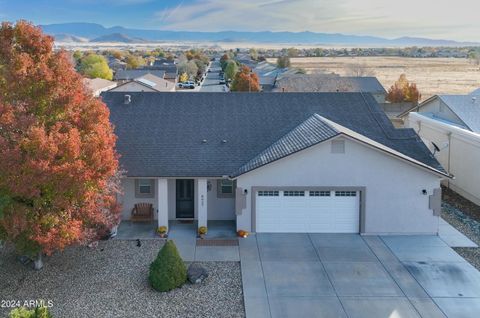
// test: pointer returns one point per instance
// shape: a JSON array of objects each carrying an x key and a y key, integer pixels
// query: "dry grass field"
[{"x": 432, "y": 75}]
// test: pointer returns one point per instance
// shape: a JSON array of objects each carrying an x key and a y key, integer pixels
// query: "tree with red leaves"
[
  {"x": 59, "y": 169},
  {"x": 403, "y": 91},
  {"x": 246, "y": 81}
]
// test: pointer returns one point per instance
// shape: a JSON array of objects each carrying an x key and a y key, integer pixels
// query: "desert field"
[{"x": 432, "y": 75}]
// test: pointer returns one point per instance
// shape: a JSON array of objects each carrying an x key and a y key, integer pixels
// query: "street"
[{"x": 211, "y": 83}]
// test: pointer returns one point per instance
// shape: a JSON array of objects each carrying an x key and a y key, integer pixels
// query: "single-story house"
[
  {"x": 293, "y": 162},
  {"x": 450, "y": 126},
  {"x": 98, "y": 85},
  {"x": 268, "y": 74},
  {"x": 116, "y": 65},
  {"x": 146, "y": 83},
  {"x": 168, "y": 66},
  {"x": 324, "y": 83},
  {"x": 128, "y": 75}
]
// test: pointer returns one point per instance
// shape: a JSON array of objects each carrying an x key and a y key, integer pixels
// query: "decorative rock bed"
[
  {"x": 469, "y": 227},
  {"x": 111, "y": 281}
]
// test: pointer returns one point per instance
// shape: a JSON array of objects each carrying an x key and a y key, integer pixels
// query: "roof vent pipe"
[
  {"x": 127, "y": 99},
  {"x": 474, "y": 99}
]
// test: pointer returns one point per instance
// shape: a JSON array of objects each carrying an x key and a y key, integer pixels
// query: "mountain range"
[{"x": 81, "y": 32}]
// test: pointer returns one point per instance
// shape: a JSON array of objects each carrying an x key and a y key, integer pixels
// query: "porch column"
[
  {"x": 162, "y": 202},
  {"x": 202, "y": 202}
]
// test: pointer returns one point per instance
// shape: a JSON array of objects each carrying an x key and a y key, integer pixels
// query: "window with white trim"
[
  {"x": 268, "y": 193},
  {"x": 225, "y": 188},
  {"x": 293, "y": 193},
  {"x": 345, "y": 193},
  {"x": 144, "y": 188},
  {"x": 319, "y": 193}
]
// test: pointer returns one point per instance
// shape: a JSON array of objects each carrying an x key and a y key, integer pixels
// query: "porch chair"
[{"x": 142, "y": 212}]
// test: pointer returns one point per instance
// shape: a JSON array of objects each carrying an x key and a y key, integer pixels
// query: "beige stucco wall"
[
  {"x": 128, "y": 199},
  {"x": 394, "y": 200},
  {"x": 459, "y": 153},
  {"x": 217, "y": 208}
]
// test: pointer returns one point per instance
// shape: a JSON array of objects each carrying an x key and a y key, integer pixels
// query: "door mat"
[
  {"x": 185, "y": 221},
  {"x": 218, "y": 242}
]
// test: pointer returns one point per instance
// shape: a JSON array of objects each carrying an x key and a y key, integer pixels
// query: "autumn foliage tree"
[
  {"x": 246, "y": 81},
  {"x": 59, "y": 169},
  {"x": 403, "y": 91}
]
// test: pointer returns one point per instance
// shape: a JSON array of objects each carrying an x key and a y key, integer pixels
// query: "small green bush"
[
  {"x": 38, "y": 312},
  {"x": 167, "y": 271}
]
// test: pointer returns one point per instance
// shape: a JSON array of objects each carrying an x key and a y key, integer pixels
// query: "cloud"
[
  {"x": 113, "y": 2},
  {"x": 435, "y": 18}
]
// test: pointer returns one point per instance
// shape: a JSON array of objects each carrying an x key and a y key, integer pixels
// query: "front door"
[{"x": 185, "y": 199}]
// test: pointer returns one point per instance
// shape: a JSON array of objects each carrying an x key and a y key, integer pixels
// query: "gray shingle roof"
[
  {"x": 312, "y": 131},
  {"x": 162, "y": 134},
  {"x": 328, "y": 83},
  {"x": 466, "y": 107},
  {"x": 122, "y": 75},
  {"x": 476, "y": 92}
]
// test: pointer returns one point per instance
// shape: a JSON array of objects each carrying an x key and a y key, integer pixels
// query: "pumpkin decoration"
[{"x": 242, "y": 233}]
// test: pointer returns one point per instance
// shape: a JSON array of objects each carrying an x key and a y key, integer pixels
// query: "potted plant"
[
  {"x": 162, "y": 231},
  {"x": 242, "y": 233},
  {"x": 202, "y": 231}
]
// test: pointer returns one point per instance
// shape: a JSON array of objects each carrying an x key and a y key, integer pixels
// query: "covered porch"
[
  {"x": 128, "y": 230},
  {"x": 178, "y": 204}
]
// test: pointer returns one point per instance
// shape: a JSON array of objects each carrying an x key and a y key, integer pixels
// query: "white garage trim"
[{"x": 361, "y": 192}]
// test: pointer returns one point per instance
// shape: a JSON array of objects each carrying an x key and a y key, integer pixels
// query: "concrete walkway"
[
  {"x": 452, "y": 236},
  {"x": 346, "y": 275},
  {"x": 185, "y": 238}
]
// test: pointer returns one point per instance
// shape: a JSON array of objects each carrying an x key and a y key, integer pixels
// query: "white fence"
[{"x": 459, "y": 152}]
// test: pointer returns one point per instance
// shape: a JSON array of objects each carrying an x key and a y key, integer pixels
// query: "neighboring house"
[
  {"x": 98, "y": 85},
  {"x": 452, "y": 124},
  {"x": 246, "y": 60},
  {"x": 269, "y": 73},
  {"x": 116, "y": 64},
  {"x": 324, "y": 83},
  {"x": 146, "y": 83},
  {"x": 168, "y": 66},
  {"x": 297, "y": 162},
  {"x": 476, "y": 92},
  {"x": 129, "y": 75}
]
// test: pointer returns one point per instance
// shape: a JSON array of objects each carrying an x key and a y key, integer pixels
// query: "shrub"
[
  {"x": 38, "y": 312},
  {"x": 202, "y": 230},
  {"x": 162, "y": 229},
  {"x": 167, "y": 271}
]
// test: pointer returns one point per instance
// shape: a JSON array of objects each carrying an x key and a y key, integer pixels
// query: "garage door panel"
[{"x": 315, "y": 212}]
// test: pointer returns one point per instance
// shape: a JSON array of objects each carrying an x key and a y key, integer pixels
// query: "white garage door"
[{"x": 307, "y": 211}]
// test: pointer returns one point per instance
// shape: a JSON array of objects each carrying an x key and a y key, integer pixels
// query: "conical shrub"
[{"x": 168, "y": 270}]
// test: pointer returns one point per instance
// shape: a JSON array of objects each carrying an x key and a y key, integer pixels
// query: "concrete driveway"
[{"x": 343, "y": 275}]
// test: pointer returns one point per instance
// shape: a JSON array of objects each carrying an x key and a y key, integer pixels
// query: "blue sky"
[{"x": 446, "y": 19}]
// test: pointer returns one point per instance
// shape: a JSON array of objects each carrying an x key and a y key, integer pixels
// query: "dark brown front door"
[{"x": 185, "y": 199}]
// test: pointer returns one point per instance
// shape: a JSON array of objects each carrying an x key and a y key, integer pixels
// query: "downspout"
[{"x": 449, "y": 135}]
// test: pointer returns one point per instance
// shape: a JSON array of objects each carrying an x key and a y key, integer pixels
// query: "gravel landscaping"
[
  {"x": 465, "y": 217},
  {"x": 112, "y": 281}
]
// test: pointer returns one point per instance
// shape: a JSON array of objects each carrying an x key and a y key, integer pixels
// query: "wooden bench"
[{"x": 142, "y": 212}]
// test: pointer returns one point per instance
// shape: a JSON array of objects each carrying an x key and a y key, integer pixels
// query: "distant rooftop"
[
  {"x": 466, "y": 107},
  {"x": 328, "y": 83},
  {"x": 125, "y": 75}
]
